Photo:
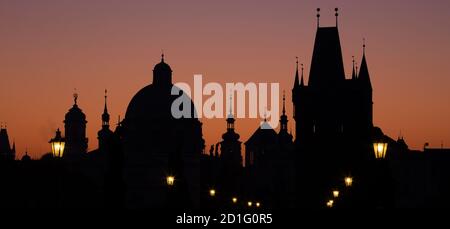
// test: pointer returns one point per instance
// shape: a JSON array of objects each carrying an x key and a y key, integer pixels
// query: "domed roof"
[
  {"x": 162, "y": 66},
  {"x": 75, "y": 113},
  {"x": 154, "y": 102},
  {"x": 162, "y": 73},
  {"x": 149, "y": 125}
]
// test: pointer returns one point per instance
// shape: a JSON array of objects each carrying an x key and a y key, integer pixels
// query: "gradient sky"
[{"x": 48, "y": 48}]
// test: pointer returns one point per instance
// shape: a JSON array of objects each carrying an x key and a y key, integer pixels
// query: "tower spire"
[
  {"x": 162, "y": 55},
  {"x": 353, "y": 68},
  {"x": 296, "y": 81},
  {"x": 284, "y": 102},
  {"x": 318, "y": 17},
  {"x": 336, "y": 15},
  {"x": 75, "y": 96},
  {"x": 363, "y": 75},
  {"x": 105, "y": 110},
  {"x": 230, "y": 117},
  {"x": 364, "y": 46},
  {"x": 105, "y": 115},
  {"x": 302, "y": 82}
]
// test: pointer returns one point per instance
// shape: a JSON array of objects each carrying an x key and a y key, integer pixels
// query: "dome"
[
  {"x": 26, "y": 157},
  {"x": 149, "y": 125},
  {"x": 75, "y": 114},
  {"x": 162, "y": 73},
  {"x": 162, "y": 67}
]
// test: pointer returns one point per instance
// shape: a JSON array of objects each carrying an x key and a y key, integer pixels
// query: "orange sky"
[{"x": 48, "y": 48}]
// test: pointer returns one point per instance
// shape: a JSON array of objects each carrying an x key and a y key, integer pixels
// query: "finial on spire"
[
  {"x": 75, "y": 96},
  {"x": 356, "y": 74},
  {"x": 301, "y": 81},
  {"x": 318, "y": 17},
  {"x": 364, "y": 46},
  {"x": 284, "y": 102},
  {"x": 336, "y": 15},
  {"x": 353, "y": 68},
  {"x": 105, "y": 110},
  {"x": 162, "y": 55}
]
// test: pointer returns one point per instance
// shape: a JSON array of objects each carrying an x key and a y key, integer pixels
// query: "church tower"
[
  {"x": 333, "y": 116},
  {"x": 285, "y": 138},
  {"x": 105, "y": 133},
  {"x": 75, "y": 132},
  {"x": 6, "y": 152},
  {"x": 230, "y": 147}
]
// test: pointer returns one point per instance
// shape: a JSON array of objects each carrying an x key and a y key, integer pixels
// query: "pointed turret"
[
  {"x": 353, "y": 68},
  {"x": 283, "y": 117},
  {"x": 363, "y": 75},
  {"x": 296, "y": 79},
  {"x": 105, "y": 115},
  {"x": 105, "y": 134},
  {"x": 327, "y": 66}
]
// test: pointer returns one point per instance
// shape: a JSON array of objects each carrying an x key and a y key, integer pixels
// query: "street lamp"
[
  {"x": 348, "y": 181},
  {"x": 234, "y": 199},
  {"x": 335, "y": 193},
  {"x": 330, "y": 203},
  {"x": 249, "y": 203},
  {"x": 380, "y": 149},
  {"x": 57, "y": 144},
  {"x": 170, "y": 180},
  {"x": 212, "y": 192},
  {"x": 258, "y": 204}
]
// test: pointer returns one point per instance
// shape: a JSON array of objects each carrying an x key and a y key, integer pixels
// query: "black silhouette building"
[
  {"x": 75, "y": 133},
  {"x": 105, "y": 133},
  {"x": 270, "y": 165},
  {"x": 230, "y": 160},
  {"x": 157, "y": 145},
  {"x": 7, "y": 153},
  {"x": 333, "y": 115}
]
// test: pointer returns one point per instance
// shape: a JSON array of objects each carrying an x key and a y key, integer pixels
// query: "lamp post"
[
  {"x": 348, "y": 181},
  {"x": 335, "y": 193},
  {"x": 170, "y": 180},
  {"x": 212, "y": 192},
  {"x": 382, "y": 174},
  {"x": 57, "y": 144},
  {"x": 380, "y": 147}
]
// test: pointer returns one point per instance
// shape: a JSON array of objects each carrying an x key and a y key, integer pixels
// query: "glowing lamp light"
[
  {"x": 335, "y": 193},
  {"x": 170, "y": 180},
  {"x": 348, "y": 181},
  {"x": 249, "y": 203},
  {"x": 258, "y": 204},
  {"x": 234, "y": 199},
  {"x": 330, "y": 203},
  {"x": 58, "y": 143},
  {"x": 212, "y": 192},
  {"x": 380, "y": 149}
]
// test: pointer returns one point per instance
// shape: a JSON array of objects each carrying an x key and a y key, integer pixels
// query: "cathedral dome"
[{"x": 149, "y": 124}]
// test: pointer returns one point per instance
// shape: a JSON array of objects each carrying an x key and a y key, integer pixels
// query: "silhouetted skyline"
[{"x": 50, "y": 48}]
